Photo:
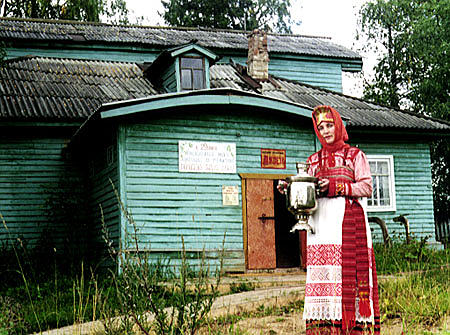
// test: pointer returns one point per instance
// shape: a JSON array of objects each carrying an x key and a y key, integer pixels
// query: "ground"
[{"x": 292, "y": 323}]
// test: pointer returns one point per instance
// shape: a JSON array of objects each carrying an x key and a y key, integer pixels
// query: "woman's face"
[{"x": 326, "y": 129}]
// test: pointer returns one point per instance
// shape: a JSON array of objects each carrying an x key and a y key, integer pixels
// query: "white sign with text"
[{"x": 208, "y": 157}]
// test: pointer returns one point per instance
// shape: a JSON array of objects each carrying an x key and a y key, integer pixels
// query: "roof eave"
[{"x": 217, "y": 96}]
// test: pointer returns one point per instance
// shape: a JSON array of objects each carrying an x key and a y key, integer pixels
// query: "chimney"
[{"x": 258, "y": 56}]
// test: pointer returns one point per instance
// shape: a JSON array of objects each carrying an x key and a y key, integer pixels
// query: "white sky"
[{"x": 336, "y": 19}]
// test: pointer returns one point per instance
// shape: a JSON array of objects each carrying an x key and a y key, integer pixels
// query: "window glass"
[
  {"x": 192, "y": 73},
  {"x": 198, "y": 79},
  {"x": 186, "y": 79},
  {"x": 383, "y": 168},
  {"x": 383, "y": 194},
  {"x": 384, "y": 191},
  {"x": 193, "y": 63}
]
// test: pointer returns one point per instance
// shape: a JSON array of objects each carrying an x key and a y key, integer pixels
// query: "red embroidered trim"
[
  {"x": 323, "y": 290},
  {"x": 325, "y": 274},
  {"x": 324, "y": 254}
]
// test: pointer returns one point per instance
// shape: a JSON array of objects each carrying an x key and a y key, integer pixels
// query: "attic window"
[{"x": 192, "y": 70}]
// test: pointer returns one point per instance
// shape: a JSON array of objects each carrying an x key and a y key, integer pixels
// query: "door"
[{"x": 261, "y": 253}]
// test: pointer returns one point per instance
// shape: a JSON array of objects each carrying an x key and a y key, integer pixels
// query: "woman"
[{"x": 341, "y": 294}]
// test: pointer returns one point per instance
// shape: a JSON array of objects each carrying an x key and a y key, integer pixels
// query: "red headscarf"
[{"x": 340, "y": 134}]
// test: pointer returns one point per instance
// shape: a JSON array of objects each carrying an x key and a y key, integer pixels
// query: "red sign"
[{"x": 273, "y": 159}]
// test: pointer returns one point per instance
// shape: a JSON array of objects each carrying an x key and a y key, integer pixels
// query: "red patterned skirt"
[{"x": 323, "y": 293}]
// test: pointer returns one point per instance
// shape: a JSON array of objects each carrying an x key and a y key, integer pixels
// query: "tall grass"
[
  {"x": 36, "y": 294},
  {"x": 166, "y": 307},
  {"x": 414, "y": 285},
  {"x": 420, "y": 299}
]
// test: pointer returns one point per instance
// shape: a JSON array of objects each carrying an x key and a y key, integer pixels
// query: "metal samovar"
[{"x": 301, "y": 197}]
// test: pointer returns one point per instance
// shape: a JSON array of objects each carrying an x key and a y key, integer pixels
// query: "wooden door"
[{"x": 261, "y": 253}]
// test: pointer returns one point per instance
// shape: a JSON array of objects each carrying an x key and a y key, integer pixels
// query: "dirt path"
[{"x": 292, "y": 323}]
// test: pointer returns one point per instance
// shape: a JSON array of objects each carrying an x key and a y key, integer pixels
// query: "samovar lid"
[{"x": 302, "y": 174}]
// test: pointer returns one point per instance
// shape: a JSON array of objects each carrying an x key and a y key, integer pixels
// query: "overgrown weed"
[
  {"x": 416, "y": 289},
  {"x": 153, "y": 299}
]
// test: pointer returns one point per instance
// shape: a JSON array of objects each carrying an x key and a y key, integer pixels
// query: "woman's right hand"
[{"x": 282, "y": 186}]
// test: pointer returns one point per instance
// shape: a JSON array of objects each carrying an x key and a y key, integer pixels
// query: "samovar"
[{"x": 301, "y": 197}]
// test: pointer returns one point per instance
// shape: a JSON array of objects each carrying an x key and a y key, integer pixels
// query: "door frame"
[{"x": 244, "y": 177}]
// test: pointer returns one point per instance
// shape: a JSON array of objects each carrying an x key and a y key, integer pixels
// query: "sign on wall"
[
  {"x": 230, "y": 195},
  {"x": 209, "y": 157},
  {"x": 273, "y": 159}
]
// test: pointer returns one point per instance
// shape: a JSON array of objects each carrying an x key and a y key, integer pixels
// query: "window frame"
[
  {"x": 392, "y": 195},
  {"x": 192, "y": 70}
]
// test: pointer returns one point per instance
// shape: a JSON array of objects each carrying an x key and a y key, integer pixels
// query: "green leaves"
[
  {"x": 413, "y": 71},
  {"x": 271, "y": 15},
  {"x": 115, "y": 11}
]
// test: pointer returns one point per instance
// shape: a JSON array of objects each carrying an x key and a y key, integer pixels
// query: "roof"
[
  {"x": 38, "y": 88},
  {"x": 164, "y": 37},
  {"x": 50, "y": 88}
]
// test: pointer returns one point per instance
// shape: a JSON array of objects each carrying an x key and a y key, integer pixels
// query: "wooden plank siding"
[
  {"x": 321, "y": 73},
  {"x": 103, "y": 199},
  {"x": 167, "y": 204},
  {"x": 100, "y": 156},
  {"x": 32, "y": 166},
  {"x": 412, "y": 185},
  {"x": 169, "y": 79},
  {"x": 124, "y": 54}
]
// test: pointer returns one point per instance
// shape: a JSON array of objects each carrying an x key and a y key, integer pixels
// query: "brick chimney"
[{"x": 258, "y": 56}]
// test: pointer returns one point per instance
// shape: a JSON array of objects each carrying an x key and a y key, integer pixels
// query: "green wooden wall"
[
  {"x": 32, "y": 168},
  {"x": 169, "y": 78},
  {"x": 167, "y": 204},
  {"x": 98, "y": 152},
  {"x": 320, "y": 73},
  {"x": 412, "y": 185}
]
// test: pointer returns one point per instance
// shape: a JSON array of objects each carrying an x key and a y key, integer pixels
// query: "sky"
[{"x": 336, "y": 19}]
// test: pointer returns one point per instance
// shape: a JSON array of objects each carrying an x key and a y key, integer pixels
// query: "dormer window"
[
  {"x": 192, "y": 71},
  {"x": 183, "y": 68}
]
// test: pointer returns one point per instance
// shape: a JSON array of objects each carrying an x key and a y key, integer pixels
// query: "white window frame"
[{"x": 390, "y": 161}]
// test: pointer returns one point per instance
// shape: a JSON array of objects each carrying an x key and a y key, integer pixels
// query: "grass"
[
  {"x": 37, "y": 296},
  {"x": 229, "y": 324},
  {"x": 420, "y": 299},
  {"x": 414, "y": 285}
]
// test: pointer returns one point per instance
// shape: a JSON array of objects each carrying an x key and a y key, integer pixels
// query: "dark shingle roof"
[
  {"x": 48, "y": 88},
  {"x": 70, "y": 31},
  {"x": 45, "y": 88},
  {"x": 358, "y": 112}
]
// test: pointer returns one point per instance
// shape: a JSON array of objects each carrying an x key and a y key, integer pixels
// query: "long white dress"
[{"x": 323, "y": 294}]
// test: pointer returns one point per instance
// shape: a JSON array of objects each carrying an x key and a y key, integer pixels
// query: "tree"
[
  {"x": 413, "y": 71},
  {"x": 271, "y": 15},
  {"x": 113, "y": 11}
]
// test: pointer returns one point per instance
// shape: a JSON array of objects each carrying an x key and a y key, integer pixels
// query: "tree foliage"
[
  {"x": 271, "y": 15},
  {"x": 413, "y": 71},
  {"x": 113, "y": 11}
]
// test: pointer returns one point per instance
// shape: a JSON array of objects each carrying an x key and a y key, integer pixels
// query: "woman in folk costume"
[{"x": 341, "y": 294}]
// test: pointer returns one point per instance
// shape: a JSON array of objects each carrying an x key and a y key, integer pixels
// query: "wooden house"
[{"x": 189, "y": 130}]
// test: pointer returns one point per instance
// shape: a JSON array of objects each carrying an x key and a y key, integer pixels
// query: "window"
[
  {"x": 192, "y": 72},
  {"x": 383, "y": 195},
  {"x": 110, "y": 155}
]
